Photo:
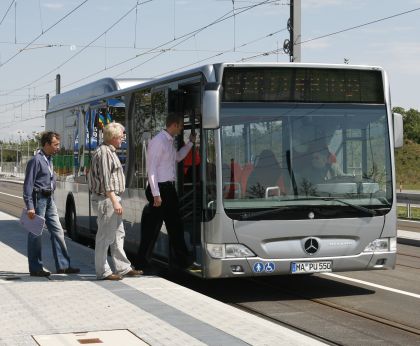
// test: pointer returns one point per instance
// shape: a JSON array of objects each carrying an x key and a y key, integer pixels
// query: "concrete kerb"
[{"x": 408, "y": 241}]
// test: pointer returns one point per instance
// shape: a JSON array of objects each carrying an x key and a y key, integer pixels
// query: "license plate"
[{"x": 311, "y": 267}]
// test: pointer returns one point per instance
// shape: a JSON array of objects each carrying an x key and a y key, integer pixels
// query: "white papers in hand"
[{"x": 35, "y": 226}]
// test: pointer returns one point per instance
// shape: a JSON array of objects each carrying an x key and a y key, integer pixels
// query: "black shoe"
[
  {"x": 68, "y": 270},
  {"x": 40, "y": 273}
]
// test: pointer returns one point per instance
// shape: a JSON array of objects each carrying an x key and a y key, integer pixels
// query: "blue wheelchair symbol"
[
  {"x": 269, "y": 267},
  {"x": 258, "y": 267}
]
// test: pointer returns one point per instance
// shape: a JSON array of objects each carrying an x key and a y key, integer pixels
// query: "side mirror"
[
  {"x": 398, "y": 130},
  {"x": 211, "y": 106}
]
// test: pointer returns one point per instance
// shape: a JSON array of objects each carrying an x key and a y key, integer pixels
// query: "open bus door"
[{"x": 189, "y": 170}]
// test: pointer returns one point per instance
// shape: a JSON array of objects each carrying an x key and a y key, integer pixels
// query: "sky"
[{"x": 86, "y": 40}]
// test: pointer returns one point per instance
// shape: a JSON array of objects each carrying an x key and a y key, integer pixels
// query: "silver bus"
[{"x": 292, "y": 172}]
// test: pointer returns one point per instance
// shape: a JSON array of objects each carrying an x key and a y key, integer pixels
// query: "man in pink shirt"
[{"x": 162, "y": 158}]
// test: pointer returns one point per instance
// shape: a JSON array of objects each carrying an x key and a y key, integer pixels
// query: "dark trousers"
[{"x": 151, "y": 223}]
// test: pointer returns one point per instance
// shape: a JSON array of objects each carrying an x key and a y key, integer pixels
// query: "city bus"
[{"x": 292, "y": 171}]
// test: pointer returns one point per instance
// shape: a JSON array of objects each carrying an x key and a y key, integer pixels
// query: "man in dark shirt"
[{"x": 38, "y": 189}]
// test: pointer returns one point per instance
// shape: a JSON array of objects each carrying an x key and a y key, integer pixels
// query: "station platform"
[
  {"x": 409, "y": 237},
  {"x": 149, "y": 310}
]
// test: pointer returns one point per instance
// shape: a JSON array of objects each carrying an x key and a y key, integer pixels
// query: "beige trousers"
[{"x": 110, "y": 235}]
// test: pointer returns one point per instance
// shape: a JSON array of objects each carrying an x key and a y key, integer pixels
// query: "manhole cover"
[{"x": 102, "y": 338}]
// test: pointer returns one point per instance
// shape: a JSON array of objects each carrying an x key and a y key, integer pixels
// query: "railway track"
[
  {"x": 288, "y": 325},
  {"x": 330, "y": 305},
  {"x": 11, "y": 205},
  {"x": 407, "y": 258}
]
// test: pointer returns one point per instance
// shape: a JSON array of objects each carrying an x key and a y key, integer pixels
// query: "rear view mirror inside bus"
[{"x": 211, "y": 106}]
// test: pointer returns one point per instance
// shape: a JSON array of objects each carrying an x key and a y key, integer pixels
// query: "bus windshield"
[{"x": 288, "y": 160}]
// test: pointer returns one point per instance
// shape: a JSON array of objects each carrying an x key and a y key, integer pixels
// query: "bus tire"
[{"x": 71, "y": 223}]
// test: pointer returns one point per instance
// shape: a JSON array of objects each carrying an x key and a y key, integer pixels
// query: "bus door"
[{"x": 189, "y": 170}]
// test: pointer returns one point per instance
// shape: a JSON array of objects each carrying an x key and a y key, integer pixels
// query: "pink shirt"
[{"x": 162, "y": 158}]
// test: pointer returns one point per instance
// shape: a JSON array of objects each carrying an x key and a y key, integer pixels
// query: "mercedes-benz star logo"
[{"x": 311, "y": 246}]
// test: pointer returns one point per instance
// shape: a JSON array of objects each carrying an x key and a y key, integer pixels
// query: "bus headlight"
[
  {"x": 378, "y": 245},
  {"x": 220, "y": 251},
  {"x": 238, "y": 250},
  {"x": 216, "y": 250}
]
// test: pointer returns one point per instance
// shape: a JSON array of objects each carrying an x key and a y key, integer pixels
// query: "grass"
[
  {"x": 402, "y": 212},
  {"x": 407, "y": 161}
]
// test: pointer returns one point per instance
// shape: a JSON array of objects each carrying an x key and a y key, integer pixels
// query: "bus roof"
[
  {"x": 89, "y": 91},
  {"x": 108, "y": 87}
]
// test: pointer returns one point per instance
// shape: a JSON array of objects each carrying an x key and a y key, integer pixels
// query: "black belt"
[
  {"x": 167, "y": 183},
  {"x": 44, "y": 192}
]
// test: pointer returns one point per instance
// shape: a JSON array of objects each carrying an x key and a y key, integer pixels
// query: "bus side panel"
[{"x": 133, "y": 201}]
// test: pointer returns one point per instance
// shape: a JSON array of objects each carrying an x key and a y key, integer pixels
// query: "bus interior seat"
[
  {"x": 266, "y": 173},
  {"x": 231, "y": 180},
  {"x": 284, "y": 182},
  {"x": 246, "y": 171}
]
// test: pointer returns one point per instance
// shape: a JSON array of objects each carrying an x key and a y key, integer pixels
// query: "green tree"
[{"x": 411, "y": 123}]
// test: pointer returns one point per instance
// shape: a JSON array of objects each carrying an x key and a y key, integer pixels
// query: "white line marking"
[
  {"x": 3, "y": 193},
  {"x": 414, "y": 295}
]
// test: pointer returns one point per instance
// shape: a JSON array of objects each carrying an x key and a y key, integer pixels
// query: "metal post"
[
  {"x": 17, "y": 157},
  {"x": 20, "y": 148},
  {"x": 296, "y": 32},
  {"x": 291, "y": 46},
  {"x": 58, "y": 84}
]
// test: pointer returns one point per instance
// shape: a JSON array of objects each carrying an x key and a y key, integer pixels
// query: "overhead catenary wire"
[
  {"x": 190, "y": 34},
  {"x": 150, "y": 51},
  {"x": 359, "y": 26},
  {"x": 44, "y": 32},
  {"x": 220, "y": 53},
  {"x": 275, "y": 51},
  {"x": 7, "y": 11},
  {"x": 248, "y": 58},
  {"x": 79, "y": 52},
  {"x": 183, "y": 38},
  {"x": 159, "y": 52},
  {"x": 159, "y": 48}
]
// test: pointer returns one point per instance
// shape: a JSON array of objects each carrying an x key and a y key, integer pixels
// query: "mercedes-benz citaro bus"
[{"x": 292, "y": 172}]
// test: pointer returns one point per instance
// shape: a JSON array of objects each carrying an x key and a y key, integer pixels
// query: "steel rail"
[{"x": 368, "y": 316}]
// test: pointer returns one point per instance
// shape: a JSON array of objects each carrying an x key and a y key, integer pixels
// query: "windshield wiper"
[
  {"x": 355, "y": 206},
  {"x": 247, "y": 216}
]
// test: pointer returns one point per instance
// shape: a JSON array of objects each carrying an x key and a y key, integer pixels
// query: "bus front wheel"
[{"x": 71, "y": 223}]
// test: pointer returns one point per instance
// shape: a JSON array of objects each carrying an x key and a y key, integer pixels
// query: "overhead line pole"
[
  {"x": 297, "y": 34},
  {"x": 292, "y": 45}
]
